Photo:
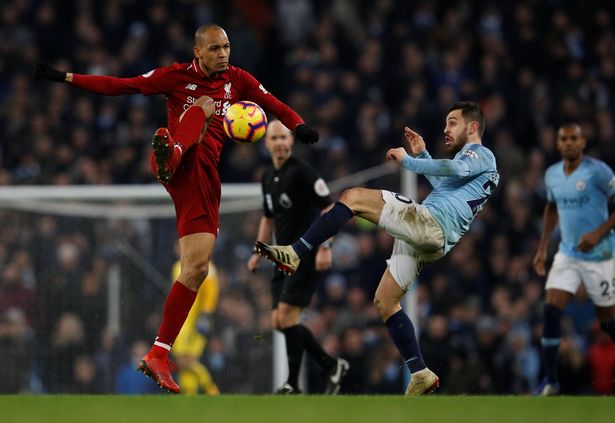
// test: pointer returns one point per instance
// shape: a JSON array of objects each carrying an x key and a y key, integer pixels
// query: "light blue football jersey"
[
  {"x": 456, "y": 200},
  {"x": 460, "y": 192},
  {"x": 582, "y": 205}
]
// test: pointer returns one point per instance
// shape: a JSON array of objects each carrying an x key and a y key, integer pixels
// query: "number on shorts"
[{"x": 605, "y": 288}]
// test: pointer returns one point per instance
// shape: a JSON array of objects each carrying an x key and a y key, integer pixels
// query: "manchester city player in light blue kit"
[
  {"x": 423, "y": 232},
  {"x": 578, "y": 192}
]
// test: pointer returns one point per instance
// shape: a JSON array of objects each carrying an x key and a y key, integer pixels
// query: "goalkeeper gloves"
[
  {"x": 305, "y": 134},
  {"x": 47, "y": 71}
]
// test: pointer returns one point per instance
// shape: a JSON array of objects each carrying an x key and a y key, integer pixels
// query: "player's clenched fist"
[
  {"x": 305, "y": 134},
  {"x": 396, "y": 154},
  {"x": 415, "y": 141}
]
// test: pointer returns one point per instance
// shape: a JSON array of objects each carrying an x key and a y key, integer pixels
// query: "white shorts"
[
  {"x": 418, "y": 237},
  {"x": 567, "y": 273}
]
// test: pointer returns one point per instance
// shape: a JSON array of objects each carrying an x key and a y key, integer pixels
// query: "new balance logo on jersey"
[{"x": 191, "y": 87}]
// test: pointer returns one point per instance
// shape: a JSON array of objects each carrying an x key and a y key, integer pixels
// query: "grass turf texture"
[{"x": 319, "y": 409}]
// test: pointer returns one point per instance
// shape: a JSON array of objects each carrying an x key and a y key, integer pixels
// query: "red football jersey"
[{"x": 183, "y": 84}]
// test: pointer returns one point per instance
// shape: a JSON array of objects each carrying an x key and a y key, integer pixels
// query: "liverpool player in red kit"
[{"x": 185, "y": 159}]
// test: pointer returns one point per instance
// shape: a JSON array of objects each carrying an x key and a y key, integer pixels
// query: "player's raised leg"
[
  {"x": 366, "y": 203},
  {"x": 195, "y": 253},
  {"x": 168, "y": 150},
  {"x": 400, "y": 327}
]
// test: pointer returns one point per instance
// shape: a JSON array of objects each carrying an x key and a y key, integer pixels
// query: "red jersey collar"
[{"x": 196, "y": 68}]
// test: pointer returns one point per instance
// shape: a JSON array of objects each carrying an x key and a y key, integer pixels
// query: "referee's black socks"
[
  {"x": 294, "y": 351},
  {"x": 313, "y": 348}
]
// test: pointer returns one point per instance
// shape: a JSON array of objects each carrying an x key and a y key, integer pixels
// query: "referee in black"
[{"x": 293, "y": 197}]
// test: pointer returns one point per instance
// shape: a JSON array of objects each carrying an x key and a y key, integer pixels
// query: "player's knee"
[
  {"x": 288, "y": 316},
  {"x": 195, "y": 273},
  {"x": 385, "y": 308},
  {"x": 207, "y": 104},
  {"x": 379, "y": 304},
  {"x": 351, "y": 197},
  {"x": 275, "y": 322},
  {"x": 283, "y": 319}
]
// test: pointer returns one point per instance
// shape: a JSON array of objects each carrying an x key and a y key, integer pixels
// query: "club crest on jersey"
[
  {"x": 581, "y": 185},
  {"x": 227, "y": 91},
  {"x": 285, "y": 201}
]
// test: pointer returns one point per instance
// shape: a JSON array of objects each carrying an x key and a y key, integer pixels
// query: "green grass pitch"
[{"x": 318, "y": 409}]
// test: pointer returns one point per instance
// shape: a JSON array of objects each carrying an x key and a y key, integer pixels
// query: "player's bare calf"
[{"x": 167, "y": 155}]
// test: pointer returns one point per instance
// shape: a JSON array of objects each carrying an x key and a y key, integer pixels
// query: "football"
[{"x": 245, "y": 122}]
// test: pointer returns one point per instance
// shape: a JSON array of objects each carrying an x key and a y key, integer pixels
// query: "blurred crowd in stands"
[{"x": 356, "y": 70}]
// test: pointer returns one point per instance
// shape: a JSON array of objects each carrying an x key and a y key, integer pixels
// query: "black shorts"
[{"x": 297, "y": 289}]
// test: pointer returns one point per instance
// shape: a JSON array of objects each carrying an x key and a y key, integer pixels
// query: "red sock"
[
  {"x": 190, "y": 127},
  {"x": 174, "y": 313}
]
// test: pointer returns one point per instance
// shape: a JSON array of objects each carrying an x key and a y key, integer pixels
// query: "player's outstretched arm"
[
  {"x": 468, "y": 165},
  {"x": 257, "y": 93},
  {"x": 416, "y": 145},
  {"x": 103, "y": 85},
  {"x": 549, "y": 220},
  {"x": 429, "y": 167}
]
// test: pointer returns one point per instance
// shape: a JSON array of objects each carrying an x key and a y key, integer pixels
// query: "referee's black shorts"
[{"x": 298, "y": 288}]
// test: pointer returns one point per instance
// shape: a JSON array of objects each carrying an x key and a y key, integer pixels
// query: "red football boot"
[
  {"x": 159, "y": 369},
  {"x": 167, "y": 155}
]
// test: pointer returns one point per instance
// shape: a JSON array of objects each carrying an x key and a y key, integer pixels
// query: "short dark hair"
[{"x": 470, "y": 111}]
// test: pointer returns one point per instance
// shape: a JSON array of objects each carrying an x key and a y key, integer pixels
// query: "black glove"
[
  {"x": 305, "y": 134},
  {"x": 47, "y": 71}
]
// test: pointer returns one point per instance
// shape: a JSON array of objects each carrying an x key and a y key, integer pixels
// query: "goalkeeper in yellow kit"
[{"x": 194, "y": 378}]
